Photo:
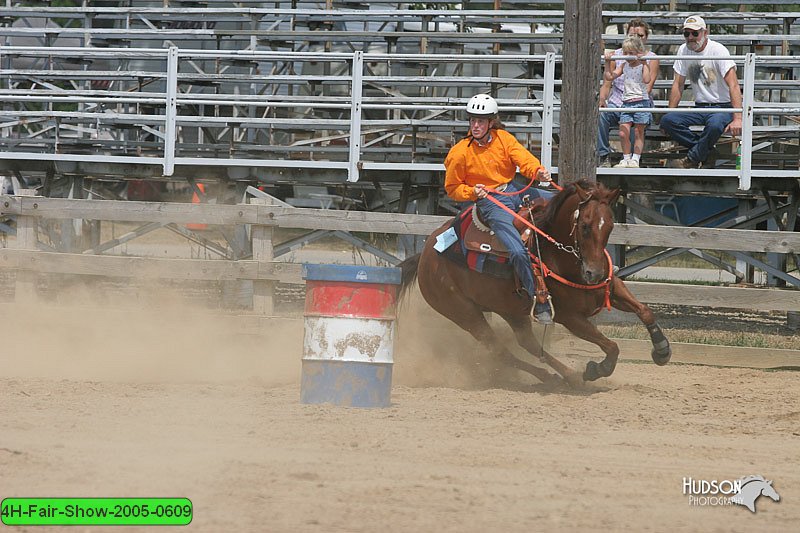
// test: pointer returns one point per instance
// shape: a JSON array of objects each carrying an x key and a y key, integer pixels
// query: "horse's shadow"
[
  {"x": 567, "y": 390},
  {"x": 553, "y": 386}
]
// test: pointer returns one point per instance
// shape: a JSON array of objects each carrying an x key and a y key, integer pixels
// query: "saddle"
[{"x": 478, "y": 237}]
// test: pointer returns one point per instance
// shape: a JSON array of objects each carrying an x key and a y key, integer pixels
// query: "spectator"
[
  {"x": 611, "y": 92},
  {"x": 714, "y": 83},
  {"x": 635, "y": 96}
]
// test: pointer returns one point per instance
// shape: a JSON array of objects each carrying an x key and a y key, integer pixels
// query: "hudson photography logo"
[{"x": 743, "y": 491}]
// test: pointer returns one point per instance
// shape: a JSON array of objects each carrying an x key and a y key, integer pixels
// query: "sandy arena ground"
[{"x": 165, "y": 401}]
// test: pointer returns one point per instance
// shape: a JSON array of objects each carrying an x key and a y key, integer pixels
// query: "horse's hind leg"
[
  {"x": 471, "y": 319},
  {"x": 525, "y": 337},
  {"x": 624, "y": 300}
]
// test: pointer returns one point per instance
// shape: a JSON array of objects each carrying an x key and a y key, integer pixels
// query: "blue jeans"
[
  {"x": 502, "y": 223},
  {"x": 630, "y": 115},
  {"x": 605, "y": 122},
  {"x": 676, "y": 125}
]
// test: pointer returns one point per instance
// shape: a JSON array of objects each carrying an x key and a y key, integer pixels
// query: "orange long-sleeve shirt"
[{"x": 468, "y": 164}]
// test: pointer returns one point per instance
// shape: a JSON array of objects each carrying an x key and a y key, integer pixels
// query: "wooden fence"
[{"x": 25, "y": 256}]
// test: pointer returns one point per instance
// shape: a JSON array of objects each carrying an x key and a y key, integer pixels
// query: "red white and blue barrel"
[{"x": 349, "y": 335}]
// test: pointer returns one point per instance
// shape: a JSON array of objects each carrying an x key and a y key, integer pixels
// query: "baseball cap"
[{"x": 695, "y": 22}]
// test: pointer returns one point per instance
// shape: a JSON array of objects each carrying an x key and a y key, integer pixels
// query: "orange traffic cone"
[{"x": 196, "y": 200}]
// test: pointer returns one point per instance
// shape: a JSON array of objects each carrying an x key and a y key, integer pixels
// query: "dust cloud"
[
  {"x": 156, "y": 333},
  {"x": 431, "y": 351},
  {"x": 144, "y": 333}
]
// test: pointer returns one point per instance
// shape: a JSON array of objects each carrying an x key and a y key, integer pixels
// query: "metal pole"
[
  {"x": 547, "y": 113},
  {"x": 747, "y": 120},
  {"x": 355, "y": 117},
  {"x": 171, "y": 111}
]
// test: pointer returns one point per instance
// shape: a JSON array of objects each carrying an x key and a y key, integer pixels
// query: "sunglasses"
[
  {"x": 694, "y": 33},
  {"x": 640, "y": 35}
]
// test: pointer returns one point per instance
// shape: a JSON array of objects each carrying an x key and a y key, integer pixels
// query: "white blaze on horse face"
[{"x": 601, "y": 224}]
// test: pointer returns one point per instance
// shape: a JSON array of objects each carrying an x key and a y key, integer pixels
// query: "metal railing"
[{"x": 357, "y": 110}]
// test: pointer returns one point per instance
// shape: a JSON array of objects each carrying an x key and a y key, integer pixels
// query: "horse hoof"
[
  {"x": 661, "y": 357},
  {"x": 552, "y": 379},
  {"x": 575, "y": 381},
  {"x": 591, "y": 373}
]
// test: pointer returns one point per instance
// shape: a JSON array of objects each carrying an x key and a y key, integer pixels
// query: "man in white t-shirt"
[{"x": 714, "y": 83}]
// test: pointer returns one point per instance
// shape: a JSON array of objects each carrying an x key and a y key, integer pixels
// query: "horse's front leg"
[
  {"x": 521, "y": 325},
  {"x": 624, "y": 300},
  {"x": 583, "y": 329}
]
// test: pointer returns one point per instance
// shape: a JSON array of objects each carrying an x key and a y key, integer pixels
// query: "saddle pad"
[
  {"x": 492, "y": 265},
  {"x": 470, "y": 253}
]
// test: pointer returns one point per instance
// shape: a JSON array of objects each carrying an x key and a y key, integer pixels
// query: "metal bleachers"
[{"x": 296, "y": 93}]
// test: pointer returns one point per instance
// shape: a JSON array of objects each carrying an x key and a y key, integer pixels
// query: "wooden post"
[
  {"x": 577, "y": 148},
  {"x": 26, "y": 240},
  {"x": 72, "y": 229},
  {"x": 263, "y": 250},
  {"x": 793, "y": 320},
  {"x": 240, "y": 239},
  {"x": 744, "y": 206},
  {"x": 617, "y": 251}
]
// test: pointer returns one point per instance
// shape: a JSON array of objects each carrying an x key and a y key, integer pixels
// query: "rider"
[{"x": 487, "y": 160}]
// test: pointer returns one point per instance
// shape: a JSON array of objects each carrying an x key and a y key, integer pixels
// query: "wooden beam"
[
  {"x": 148, "y": 268},
  {"x": 682, "y": 352},
  {"x": 183, "y": 213},
  {"x": 125, "y": 211},
  {"x": 711, "y": 296},
  {"x": 579, "y": 90},
  {"x": 330, "y": 219},
  {"x": 200, "y": 269},
  {"x": 705, "y": 238},
  {"x": 366, "y": 221}
]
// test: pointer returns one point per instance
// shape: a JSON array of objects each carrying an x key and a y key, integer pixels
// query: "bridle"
[
  {"x": 576, "y": 249},
  {"x": 573, "y": 249}
]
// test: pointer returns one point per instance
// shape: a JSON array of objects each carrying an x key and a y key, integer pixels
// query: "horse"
[
  {"x": 579, "y": 219},
  {"x": 752, "y": 488}
]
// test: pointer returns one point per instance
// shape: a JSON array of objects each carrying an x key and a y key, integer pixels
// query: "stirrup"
[{"x": 545, "y": 319}]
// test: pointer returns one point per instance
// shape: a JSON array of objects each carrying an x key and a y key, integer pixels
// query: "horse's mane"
[
  {"x": 544, "y": 218},
  {"x": 748, "y": 479}
]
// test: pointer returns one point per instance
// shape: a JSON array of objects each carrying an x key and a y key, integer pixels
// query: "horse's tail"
[{"x": 408, "y": 274}]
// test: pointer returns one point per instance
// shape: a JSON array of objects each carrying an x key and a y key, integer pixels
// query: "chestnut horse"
[{"x": 579, "y": 219}]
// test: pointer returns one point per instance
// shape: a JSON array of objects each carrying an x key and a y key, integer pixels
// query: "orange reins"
[{"x": 547, "y": 272}]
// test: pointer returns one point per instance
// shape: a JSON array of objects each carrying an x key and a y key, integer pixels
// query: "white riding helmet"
[{"x": 482, "y": 105}]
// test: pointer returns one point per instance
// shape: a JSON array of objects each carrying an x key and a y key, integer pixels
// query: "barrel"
[{"x": 349, "y": 322}]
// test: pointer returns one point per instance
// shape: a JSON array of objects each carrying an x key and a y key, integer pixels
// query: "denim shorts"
[{"x": 630, "y": 115}]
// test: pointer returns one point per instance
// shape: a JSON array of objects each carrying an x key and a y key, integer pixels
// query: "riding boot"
[
  {"x": 541, "y": 310},
  {"x": 542, "y": 294},
  {"x": 542, "y": 313}
]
